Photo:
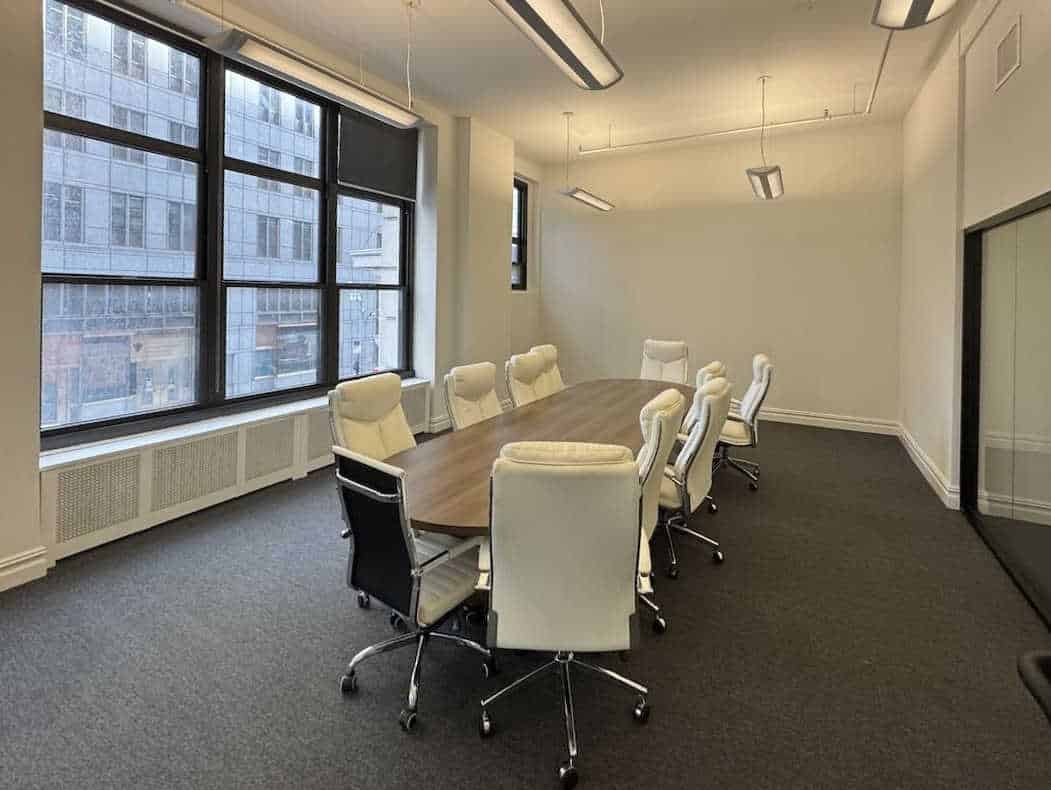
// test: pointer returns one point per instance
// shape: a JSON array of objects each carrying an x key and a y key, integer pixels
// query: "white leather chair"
[
  {"x": 742, "y": 428},
  {"x": 470, "y": 394},
  {"x": 523, "y": 373},
  {"x": 688, "y": 481},
  {"x": 367, "y": 418},
  {"x": 665, "y": 360},
  {"x": 564, "y": 546},
  {"x": 551, "y": 377},
  {"x": 659, "y": 421},
  {"x": 424, "y": 580},
  {"x": 713, "y": 370}
]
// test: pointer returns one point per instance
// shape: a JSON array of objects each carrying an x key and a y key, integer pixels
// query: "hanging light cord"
[
  {"x": 567, "y": 149},
  {"x": 408, "y": 53},
  {"x": 762, "y": 130},
  {"x": 602, "y": 15}
]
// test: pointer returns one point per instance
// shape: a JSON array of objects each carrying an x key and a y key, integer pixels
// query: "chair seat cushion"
[
  {"x": 446, "y": 586},
  {"x": 669, "y": 495},
  {"x": 736, "y": 433}
]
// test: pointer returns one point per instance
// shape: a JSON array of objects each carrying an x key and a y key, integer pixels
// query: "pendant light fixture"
[
  {"x": 560, "y": 33},
  {"x": 766, "y": 181},
  {"x": 906, "y": 14},
  {"x": 577, "y": 193}
]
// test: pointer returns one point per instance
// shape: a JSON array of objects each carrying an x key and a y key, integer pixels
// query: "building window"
[
  {"x": 73, "y": 214},
  {"x": 182, "y": 226},
  {"x": 127, "y": 220},
  {"x": 129, "y": 54},
  {"x": 267, "y": 237},
  {"x": 64, "y": 30},
  {"x": 302, "y": 240},
  {"x": 132, "y": 121},
  {"x": 269, "y": 105},
  {"x": 519, "y": 234},
  {"x": 183, "y": 73},
  {"x": 305, "y": 115}
]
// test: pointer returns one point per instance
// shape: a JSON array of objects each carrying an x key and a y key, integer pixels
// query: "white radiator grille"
[
  {"x": 269, "y": 448},
  {"x": 184, "y": 472},
  {"x": 319, "y": 435},
  {"x": 97, "y": 496},
  {"x": 414, "y": 404}
]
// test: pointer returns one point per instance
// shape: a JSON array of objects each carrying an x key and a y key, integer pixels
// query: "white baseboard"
[
  {"x": 23, "y": 567},
  {"x": 837, "y": 421},
  {"x": 1035, "y": 511},
  {"x": 946, "y": 491}
]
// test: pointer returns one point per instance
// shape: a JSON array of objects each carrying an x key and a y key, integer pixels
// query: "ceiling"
[{"x": 690, "y": 65}]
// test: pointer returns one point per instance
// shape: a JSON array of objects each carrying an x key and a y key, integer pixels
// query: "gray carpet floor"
[{"x": 859, "y": 635}]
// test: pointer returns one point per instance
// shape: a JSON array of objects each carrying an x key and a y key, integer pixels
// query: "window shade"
[{"x": 376, "y": 156}]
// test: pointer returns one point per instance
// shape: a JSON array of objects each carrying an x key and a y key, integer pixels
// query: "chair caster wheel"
[
  {"x": 407, "y": 719},
  {"x": 641, "y": 713},
  {"x": 485, "y": 726},
  {"x": 753, "y": 485},
  {"x": 348, "y": 684},
  {"x": 396, "y": 622},
  {"x": 490, "y": 668},
  {"x": 673, "y": 572},
  {"x": 717, "y": 555},
  {"x": 567, "y": 776},
  {"x": 364, "y": 602},
  {"x": 660, "y": 625}
]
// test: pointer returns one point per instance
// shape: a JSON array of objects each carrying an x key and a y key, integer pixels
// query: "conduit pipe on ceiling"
[{"x": 827, "y": 116}]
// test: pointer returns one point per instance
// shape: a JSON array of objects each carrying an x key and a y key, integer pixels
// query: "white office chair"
[
  {"x": 424, "y": 581},
  {"x": 742, "y": 428},
  {"x": 659, "y": 420},
  {"x": 551, "y": 377},
  {"x": 470, "y": 394},
  {"x": 564, "y": 548},
  {"x": 665, "y": 360},
  {"x": 713, "y": 370},
  {"x": 523, "y": 372},
  {"x": 367, "y": 418},
  {"x": 687, "y": 483}
]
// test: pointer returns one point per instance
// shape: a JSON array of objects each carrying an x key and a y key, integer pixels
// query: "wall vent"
[
  {"x": 269, "y": 448},
  {"x": 319, "y": 435},
  {"x": 94, "y": 497},
  {"x": 184, "y": 472},
  {"x": 1009, "y": 53}
]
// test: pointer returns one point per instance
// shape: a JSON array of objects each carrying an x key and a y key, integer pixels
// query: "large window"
[
  {"x": 154, "y": 150},
  {"x": 519, "y": 234}
]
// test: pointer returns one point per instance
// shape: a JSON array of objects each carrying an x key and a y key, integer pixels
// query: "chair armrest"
[
  {"x": 736, "y": 418},
  {"x": 450, "y": 554}
]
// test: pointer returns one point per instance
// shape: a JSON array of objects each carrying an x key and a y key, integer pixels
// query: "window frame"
[
  {"x": 521, "y": 186},
  {"x": 209, "y": 280}
]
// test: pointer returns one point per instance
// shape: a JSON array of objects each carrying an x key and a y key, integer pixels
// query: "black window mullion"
[
  {"x": 117, "y": 136},
  {"x": 210, "y": 234},
  {"x": 329, "y": 231},
  {"x": 273, "y": 173}
]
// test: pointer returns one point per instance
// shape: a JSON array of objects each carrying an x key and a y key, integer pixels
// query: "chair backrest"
[
  {"x": 382, "y": 555},
  {"x": 523, "y": 378},
  {"x": 659, "y": 420},
  {"x": 470, "y": 394},
  {"x": 564, "y": 546},
  {"x": 551, "y": 377},
  {"x": 713, "y": 370},
  {"x": 366, "y": 416},
  {"x": 665, "y": 360},
  {"x": 762, "y": 371},
  {"x": 694, "y": 462}
]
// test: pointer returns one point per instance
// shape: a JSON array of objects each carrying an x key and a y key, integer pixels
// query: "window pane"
[
  {"x": 104, "y": 355},
  {"x": 272, "y": 339},
  {"x": 96, "y": 64},
  {"x": 261, "y": 240},
  {"x": 369, "y": 239},
  {"x": 261, "y": 117},
  {"x": 369, "y": 332},
  {"x": 515, "y": 210},
  {"x": 114, "y": 210}
]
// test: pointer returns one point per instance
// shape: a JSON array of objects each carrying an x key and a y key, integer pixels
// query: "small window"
[
  {"x": 182, "y": 226},
  {"x": 519, "y": 233},
  {"x": 302, "y": 240},
  {"x": 268, "y": 237}
]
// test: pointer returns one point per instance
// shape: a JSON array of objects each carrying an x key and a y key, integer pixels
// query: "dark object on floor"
[{"x": 1035, "y": 669}]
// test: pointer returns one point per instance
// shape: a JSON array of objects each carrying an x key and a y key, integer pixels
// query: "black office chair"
[{"x": 424, "y": 580}]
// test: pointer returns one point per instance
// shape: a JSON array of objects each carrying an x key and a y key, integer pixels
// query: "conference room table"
[{"x": 447, "y": 478}]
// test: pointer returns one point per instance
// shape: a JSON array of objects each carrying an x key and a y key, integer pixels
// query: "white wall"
[
  {"x": 931, "y": 276},
  {"x": 811, "y": 279},
  {"x": 22, "y": 557}
]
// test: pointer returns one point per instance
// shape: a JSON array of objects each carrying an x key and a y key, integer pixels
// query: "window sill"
[{"x": 75, "y": 454}]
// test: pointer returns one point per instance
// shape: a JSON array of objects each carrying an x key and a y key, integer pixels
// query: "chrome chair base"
[
  {"x": 660, "y": 625},
  {"x": 678, "y": 524},
  {"x": 567, "y": 772},
  {"x": 348, "y": 682},
  {"x": 749, "y": 469}
]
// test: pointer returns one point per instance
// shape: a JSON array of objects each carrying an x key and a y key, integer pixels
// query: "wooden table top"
[{"x": 447, "y": 478}]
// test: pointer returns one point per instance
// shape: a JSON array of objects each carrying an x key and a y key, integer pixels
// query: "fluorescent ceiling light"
[
  {"x": 766, "y": 182},
  {"x": 586, "y": 197},
  {"x": 240, "y": 45},
  {"x": 905, "y": 14},
  {"x": 560, "y": 33}
]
